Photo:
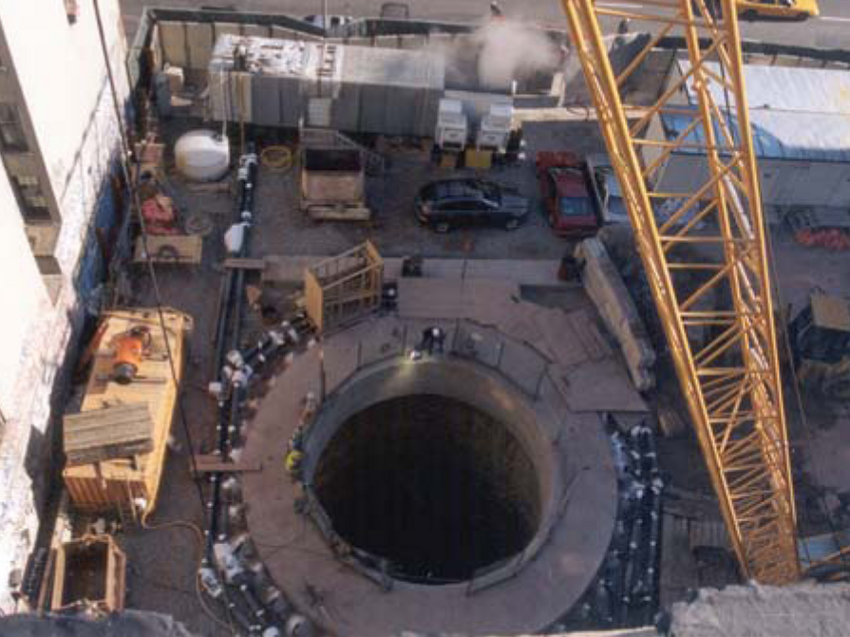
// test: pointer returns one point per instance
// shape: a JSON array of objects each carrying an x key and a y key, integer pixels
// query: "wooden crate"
[
  {"x": 115, "y": 483},
  {"x": 344, "y": 287},
  {"x": 90, "y": 574}
]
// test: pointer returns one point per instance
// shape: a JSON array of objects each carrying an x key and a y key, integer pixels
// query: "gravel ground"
[
  {"x": 284, "y": 230},
  {"x": 163, "y": 563}
]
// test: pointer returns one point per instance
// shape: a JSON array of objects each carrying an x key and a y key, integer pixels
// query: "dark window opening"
[
  {"x": 12, "y": 136},
  {"x": 31, "y": 199}
]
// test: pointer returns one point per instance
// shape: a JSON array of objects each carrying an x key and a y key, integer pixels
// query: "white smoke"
[
  {"x": 496, "y": 54},
  {"x": 510, "y": 50}
]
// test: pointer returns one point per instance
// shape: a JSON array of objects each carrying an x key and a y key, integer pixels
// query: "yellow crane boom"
[{"x": 711, "y": 286}]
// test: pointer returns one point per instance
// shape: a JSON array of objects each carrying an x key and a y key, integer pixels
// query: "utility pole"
[{"x": 325, "y": 24}]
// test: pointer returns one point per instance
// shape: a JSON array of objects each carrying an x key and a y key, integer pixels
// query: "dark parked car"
[{"x": 454, "y": 203}]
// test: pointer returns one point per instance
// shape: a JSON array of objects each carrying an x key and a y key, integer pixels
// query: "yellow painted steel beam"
[{"x": 708, "y": 273}]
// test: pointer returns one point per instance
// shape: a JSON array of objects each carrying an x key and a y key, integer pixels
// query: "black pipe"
[
  {"x": 231, "y": 307},
  {"x": 247, "y": 182},
  {"x": 252, "y": 602},
  {"x": 241, "y": 618}
]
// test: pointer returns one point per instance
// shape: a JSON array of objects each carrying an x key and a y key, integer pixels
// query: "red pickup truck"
[{"x": 565, "y": 187}]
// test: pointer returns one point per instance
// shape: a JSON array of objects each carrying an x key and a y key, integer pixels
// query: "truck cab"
[{"x": 565, "y": 188}]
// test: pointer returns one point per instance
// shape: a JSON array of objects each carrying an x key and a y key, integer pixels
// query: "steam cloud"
[
  {"x": 494, "y": 55},
  {"x": 509, "y": 50}
]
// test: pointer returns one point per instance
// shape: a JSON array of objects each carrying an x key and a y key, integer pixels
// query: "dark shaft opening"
[{"x": 433, "y": 485}]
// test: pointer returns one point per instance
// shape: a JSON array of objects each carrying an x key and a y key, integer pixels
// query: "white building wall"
[{"x": 62, "y": 75}]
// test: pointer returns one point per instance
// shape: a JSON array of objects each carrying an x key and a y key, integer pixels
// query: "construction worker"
[
  {"x": 292, "y": 462},
  {"x": 433, "y": 339},
  {"x": 496, "y": 11},
  {"x": 438, "y": 335},
  {"x": 427, "y": 344}
]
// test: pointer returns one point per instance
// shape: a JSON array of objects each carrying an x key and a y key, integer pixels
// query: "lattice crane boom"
[{"x": 711, "y": 286}]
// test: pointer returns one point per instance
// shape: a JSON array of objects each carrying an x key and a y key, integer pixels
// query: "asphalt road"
[{"x": 831, "y": 30}]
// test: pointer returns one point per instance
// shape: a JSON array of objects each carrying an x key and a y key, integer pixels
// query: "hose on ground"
[{"x": 278, "y": 158}]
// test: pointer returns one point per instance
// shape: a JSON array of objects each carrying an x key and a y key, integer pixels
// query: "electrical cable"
[
  {"x": 136, "y": 206},
  {"x": 137, "y": 209},
  {"x": 786, "y": 341},
  {"x": 199, "y": 536},
  {"x": 276, "y": 158},
  {"x": 799, "y": 403}
]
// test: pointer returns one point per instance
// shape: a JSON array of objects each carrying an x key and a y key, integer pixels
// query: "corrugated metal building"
[{"x": 801, "y": 133}]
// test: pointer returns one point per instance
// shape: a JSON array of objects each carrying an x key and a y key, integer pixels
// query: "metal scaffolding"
[{"x": 711, "y": 287}]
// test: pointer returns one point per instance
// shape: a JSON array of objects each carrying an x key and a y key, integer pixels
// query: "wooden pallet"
[
  {"x": 338, "y": 212},
  {"x": 176, "y": 249}
]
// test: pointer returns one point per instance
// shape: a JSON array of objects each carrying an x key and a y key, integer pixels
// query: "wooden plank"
[
  {"x": 338, "y": 213},
  {"x": 111, "y": 424},
  {"x": 214, "y": 464},
  {"x": 245, "y": 264},
  {"x": 118, "y": 431}
]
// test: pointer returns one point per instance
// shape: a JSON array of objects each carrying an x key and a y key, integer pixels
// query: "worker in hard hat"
[{"x": 433, "y": 339}]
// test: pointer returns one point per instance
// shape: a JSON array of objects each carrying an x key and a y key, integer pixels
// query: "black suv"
[{"x": 453, "y": 203}]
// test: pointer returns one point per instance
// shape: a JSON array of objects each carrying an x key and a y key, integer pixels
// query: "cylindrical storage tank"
[{"x": 202, "y": 155}]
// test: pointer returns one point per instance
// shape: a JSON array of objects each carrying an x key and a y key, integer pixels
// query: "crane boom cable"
[{"x": 729, "y": 375}]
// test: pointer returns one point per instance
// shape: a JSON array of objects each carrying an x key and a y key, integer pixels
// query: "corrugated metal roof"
[
  {"x": 795, "y": 113},
  {"x": 273, "y": 57}
]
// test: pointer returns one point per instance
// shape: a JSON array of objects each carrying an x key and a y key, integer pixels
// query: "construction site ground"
[{"x": 163, "y": 558}]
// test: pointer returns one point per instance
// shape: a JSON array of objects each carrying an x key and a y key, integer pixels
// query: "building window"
[
  {"x": 33, "y": 203},
  {"x": 27, "y": 181},
  {"x": 12, "y": 136}
]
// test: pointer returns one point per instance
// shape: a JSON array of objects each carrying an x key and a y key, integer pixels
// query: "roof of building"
[
  {"x": 805, "y": 609},
  {"x": 331, "y": 62},
  {"x": 795, "y": 113}
]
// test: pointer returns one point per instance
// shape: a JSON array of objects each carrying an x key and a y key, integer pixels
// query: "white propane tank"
[{"x": 202, "y": 155}]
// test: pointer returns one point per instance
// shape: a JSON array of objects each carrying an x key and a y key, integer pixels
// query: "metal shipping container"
[{"x": 276, "y": 82}]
